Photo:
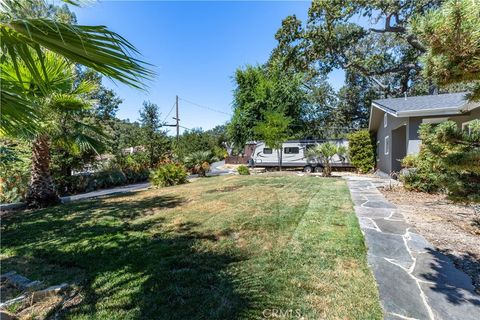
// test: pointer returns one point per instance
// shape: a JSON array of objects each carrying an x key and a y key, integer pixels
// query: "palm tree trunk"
[{"x": 41, "y": 191}]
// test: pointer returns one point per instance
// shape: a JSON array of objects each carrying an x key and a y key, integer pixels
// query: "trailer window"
[
  {"x": 291, "y": 150},
  {"x": 267, "y": 150}
]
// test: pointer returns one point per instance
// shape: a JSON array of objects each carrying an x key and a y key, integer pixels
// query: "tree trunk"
[{"x": 41, "y": 191}]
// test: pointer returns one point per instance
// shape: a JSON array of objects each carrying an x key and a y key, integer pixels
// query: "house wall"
[
  {"x": 414, "y": 141},
  {"x": 384, "y": 161}
]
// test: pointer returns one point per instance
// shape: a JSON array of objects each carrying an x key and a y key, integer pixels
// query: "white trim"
[
  {"x": 385, "y": 120},
  {"x": 386, "y": 150},
  {"x": 384, "y": 109},
  {"x": 429, "y": 112},
  {"x": 423, "y": 112}
]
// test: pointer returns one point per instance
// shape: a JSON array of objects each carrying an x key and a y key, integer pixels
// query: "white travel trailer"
[{"x": 294, "y": 155}]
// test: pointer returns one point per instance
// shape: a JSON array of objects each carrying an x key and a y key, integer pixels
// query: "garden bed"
[{"x": 452, "y": 228}]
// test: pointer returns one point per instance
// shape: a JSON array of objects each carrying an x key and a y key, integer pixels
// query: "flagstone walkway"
[{"x": 415, "y": 281}]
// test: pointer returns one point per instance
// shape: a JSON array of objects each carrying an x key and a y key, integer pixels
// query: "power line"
[
  {"x": 205, "y": 107},
  {"x": 169, "y": 112}
]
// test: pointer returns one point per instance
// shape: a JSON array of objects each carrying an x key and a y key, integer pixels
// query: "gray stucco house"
[{"x": 395, "y": 123}]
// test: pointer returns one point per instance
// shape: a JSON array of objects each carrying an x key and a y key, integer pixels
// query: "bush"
[
  {"x": 243, "y": 170},
  {"x": 450, "y": 160},
  {"x": 361, "y": 150},
  {"x": 424, "y": 172},
  {"x": 199, "y": 162},
  {"x": 410, "y": 161},
  {"x": 168, "y": 174},
  {"x": 14, "y": 171}
]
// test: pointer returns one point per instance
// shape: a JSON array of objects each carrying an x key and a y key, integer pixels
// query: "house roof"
[{"x": 430, "y": 105}]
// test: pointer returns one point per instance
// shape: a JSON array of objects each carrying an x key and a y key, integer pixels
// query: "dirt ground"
[{"x": 453, "y": 228}]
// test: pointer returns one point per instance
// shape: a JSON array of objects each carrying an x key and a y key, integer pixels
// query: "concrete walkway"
[
  {"x": 107, "y": 192},
  {"x": 415, "y": 281}
]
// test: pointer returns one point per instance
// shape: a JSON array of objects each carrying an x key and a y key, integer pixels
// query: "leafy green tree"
[
  {"x": 382, "y": 51},
  {"x": 107, "y": 101},
  {"x": 25, "y": 38},
  {"x": 60, "y": 105},
  {"x": 274, "y": 131},
  {"x": 354, "y": 100},
  {"x": 125, "y": 134},
  {"x": 260, "y": 89},
  {"x": 154, "y": 140},
  {"x": 451, "y": 35},
  {"x": 361, "y": 150},
  {"x": 316, "y": 118},
  {"x": 324, "y": 153},
  {"x": 195, "y": 140}
]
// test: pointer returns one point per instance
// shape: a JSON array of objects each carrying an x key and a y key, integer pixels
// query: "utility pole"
[{"x": 178, "y": 124}]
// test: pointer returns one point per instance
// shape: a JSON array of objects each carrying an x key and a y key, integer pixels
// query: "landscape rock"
[
  {"x": 5, "y": 315},
  {"x": 48, "y": 292}
]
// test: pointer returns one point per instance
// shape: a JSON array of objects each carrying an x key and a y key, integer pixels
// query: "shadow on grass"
[{"x": 129, "y": 270}]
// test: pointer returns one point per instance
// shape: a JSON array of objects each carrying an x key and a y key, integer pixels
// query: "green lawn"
[{"x": 218, "y": 248}]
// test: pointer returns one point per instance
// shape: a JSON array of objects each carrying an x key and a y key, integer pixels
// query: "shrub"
[
  {"x": 361, "y": 150},
  {"x": 199, "y": 162},
  {"x": 90, "y": 181},
  {"x": 14, "y": 171},
  {"x": 410, "y": 161},
  {"x": 168, "y": 174},
  {"x": 243, "y": 170},
  {"x": 451, "y": 156},
  {"x": 424, "y": 172}
]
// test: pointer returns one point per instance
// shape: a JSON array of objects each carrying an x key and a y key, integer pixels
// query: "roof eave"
[{"x": 429, "y": 112}]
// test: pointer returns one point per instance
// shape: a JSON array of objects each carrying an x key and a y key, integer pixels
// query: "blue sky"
[{"x": 195, "y": 48}]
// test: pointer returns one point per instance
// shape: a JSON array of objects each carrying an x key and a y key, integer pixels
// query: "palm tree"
[
  {"x": 199, "y": 162},
  {"x": 324, "y": 154},
  {"x": 24, "y": 43},
  {"x": 61, "y": 100}
]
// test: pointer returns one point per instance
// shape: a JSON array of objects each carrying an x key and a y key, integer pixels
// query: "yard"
[{"x": 217, "y": 248}]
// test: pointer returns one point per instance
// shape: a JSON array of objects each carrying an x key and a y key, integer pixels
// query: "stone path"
[{"x": 415, "y": 281}]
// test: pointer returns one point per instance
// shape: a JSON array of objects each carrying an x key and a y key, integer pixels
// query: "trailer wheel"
[
  {"x": 318, "y": 169},
  {"x": 308, "y": 169}
]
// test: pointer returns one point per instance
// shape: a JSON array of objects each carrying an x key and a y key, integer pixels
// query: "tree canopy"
[{"x": 451, "y": 35}]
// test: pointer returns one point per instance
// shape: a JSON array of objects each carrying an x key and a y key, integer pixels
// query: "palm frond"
[
  {"x": 65, "y": 103},
  {"x": 95, "y": 47},
  {"x": 17, "y": 114}
]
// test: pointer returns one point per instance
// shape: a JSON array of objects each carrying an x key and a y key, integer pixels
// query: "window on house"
[
  {"x": 385, "y": 120},
  {"x": 387, "y": 145},
  {"x": 267, "y": 150},
  {"x": 291, "y": 150}
]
